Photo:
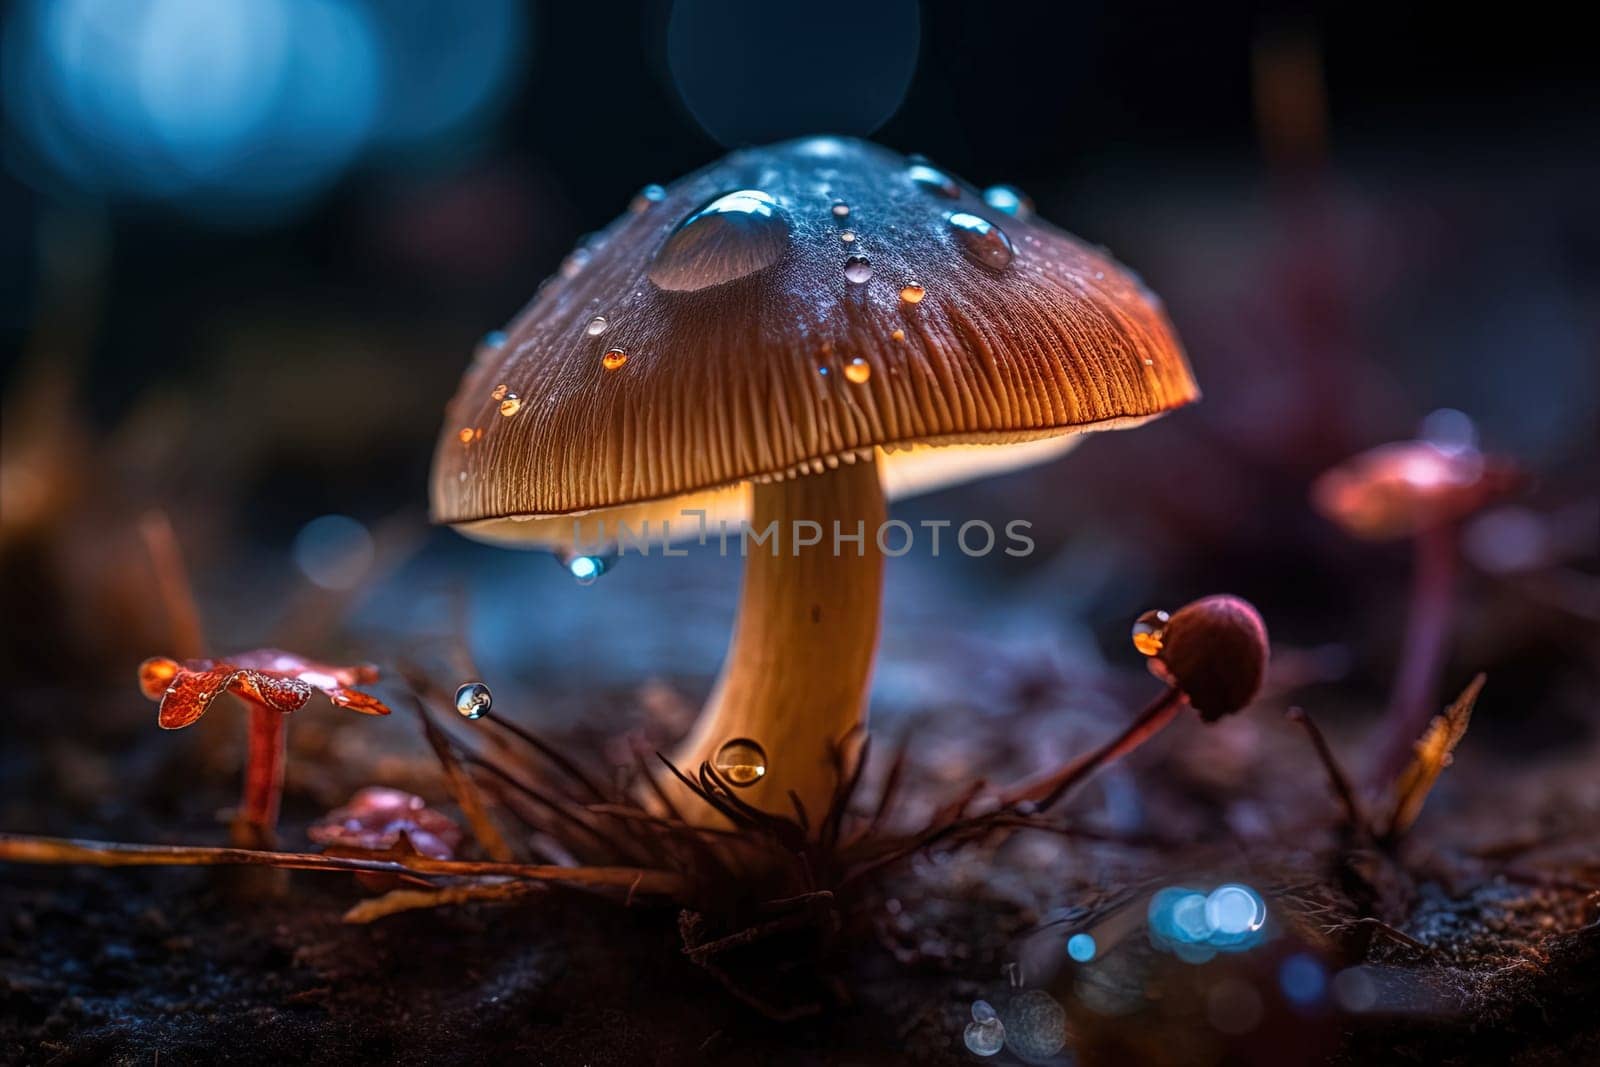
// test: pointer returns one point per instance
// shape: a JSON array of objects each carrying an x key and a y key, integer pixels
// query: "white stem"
[{"x": 796, "y": 677}]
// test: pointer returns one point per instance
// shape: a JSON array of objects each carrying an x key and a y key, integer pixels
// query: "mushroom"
[
  {"x": 1420, "y": 489},
  {"x": 788, "y": 337},
  {"x": 272, "y": 684}
]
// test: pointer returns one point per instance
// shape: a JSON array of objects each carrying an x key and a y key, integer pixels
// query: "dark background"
[{"x": 1419, "y": 232}]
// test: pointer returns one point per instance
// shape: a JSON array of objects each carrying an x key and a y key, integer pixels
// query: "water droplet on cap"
[
  {"x": 597, "y": 326},
  {"x": 650, "y": 194},
  {"x": 741, "y": 761},
  {"x": 613, "y": 359},
  {"x": 857, "y": 269},
  {"x": 1149, "y": 632},
  {"x": 847, "y": 236},
  {"x": 934, "y": 181},
  {"x": 473, "y": 700},
  {"x": 1009, "y": 199},
  {"x": 510, "y": 405},
  {"x": 499, "y": 391},
  {"x": 858, "y": 370},
  {"x": 912, "y": 293},
  {"x": 731, "y": 237},
  {"x": 841, "y": 210},
  {"x": 981, "y": 240}
]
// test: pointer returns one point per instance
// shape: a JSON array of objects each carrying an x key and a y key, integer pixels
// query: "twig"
[
  {"x": 463, "y": 788},
  {"x": 1343, "y": 790},
  {"x": 25, "y": 848},
  {"x": 399, "y": 900}
]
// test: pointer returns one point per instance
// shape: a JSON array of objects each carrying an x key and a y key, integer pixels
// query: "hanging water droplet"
[
  {"x": 585, "y": 568},
  {"x": 1149, "y": 632},
  {"x": 985, "y": 1038},
  {"x": 473, "y": 700},
  {"x": 982, "y": 241},
  {"x": 597, "y": 326},
  {"x": 841, "y": 210},
  {"x": 741, "y": 761},
  {"x": 847, "y": 236},
  {"x": 510, "y": 405},
  {"x": 858, "y": 370},
  {"x": 499, "y": 391},
  {"x": 857, "y": 269},
  {"x": 732, "y": 236},
  {"x": 1009, "y": 199},
  {"x": 912, "y": 293},
  {"x": 650, "y": 194},
  {"x": 613, "y": 359},
  {"x": 934, "y": 181}
]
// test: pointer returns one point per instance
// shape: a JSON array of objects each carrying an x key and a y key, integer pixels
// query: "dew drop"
[
  {"x": 465, "y": 436},
  {"x": 597, "y": 326},
  {"x": 857, "y": 269},
  {"x": 650, "y": 194},
  {"x": 576, "y": 260},
  {"x": 741, "y": 761},
  {"x": 473, "y": 700},
  {"x": 613, "y": 359},
  {"x": 983, "y": 1011},
  {"x": 934, "y": 181},
  {"x": 858, "y": 370},
  {"x": 1009, "y": 199},
  {"x": 981, "y": 240},
  {"x": 847, "y": 236},
  {"x": 912, "y": 293},
  {"x": 898, "y": 335},
  {"x": 841, "y": 210},
  {"x": 510, "y": 405},
  {"x": 984, "y": 1038},
  {"x": 1149, "y": 631},
  {"x": 585, "y": 569},
  {"x": 733, "y": 236}
]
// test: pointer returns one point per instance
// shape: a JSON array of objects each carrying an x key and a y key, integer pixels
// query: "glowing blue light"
[
  {"x": 1195, "y": 926},
  {"x": 1302, "y": 979},
  {"x": 450, "y": 66},
  {"x": 1235, "y": 909},
  {"x": 585, "y": 568},
  {"x": 1081, "y": 947},
  {"x": 494, "y": 339}
]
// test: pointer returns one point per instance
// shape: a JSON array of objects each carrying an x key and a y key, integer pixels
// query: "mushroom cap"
[
  {"x": 1399, "y": 489},
  {"x": 1215, "y": 649},
  {"x": 721, "y": 333}
]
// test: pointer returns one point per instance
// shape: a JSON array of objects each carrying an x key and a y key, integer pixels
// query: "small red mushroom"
[
  {"x": 273, "y": 684},
  {"x": 377, "y": 817},
  {"x": 1423, "y": 490}
]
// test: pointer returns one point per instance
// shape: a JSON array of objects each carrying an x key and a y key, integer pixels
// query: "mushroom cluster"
[{"x": 787, "y": 338}]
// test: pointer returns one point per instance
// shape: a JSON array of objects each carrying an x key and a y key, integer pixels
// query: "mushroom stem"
[
  {"x": 1411, "y": 705},
  {"x": 257, "y": 820},
  {"x": 796, "y": 676}
]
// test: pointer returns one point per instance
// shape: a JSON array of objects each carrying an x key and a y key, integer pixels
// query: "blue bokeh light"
[
  {"x": 1195, "y": 926},
  {"x": 1081, "y": 947},
  {"x": 1303, "y": 980},
  {"x": 241, "y": 110}
]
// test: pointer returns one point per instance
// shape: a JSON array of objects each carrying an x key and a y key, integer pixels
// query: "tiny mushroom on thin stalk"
[
  {"x": 789, "y": 337},
  {"x": 1422, "y": 490},
  {"x": 272, "y": 684},
  {"x": 1212, "y": 654}
]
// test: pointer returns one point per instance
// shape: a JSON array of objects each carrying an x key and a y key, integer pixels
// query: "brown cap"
[
  {"x": 1399, "y": 489},
  {"x": 786, "y": 310}
]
